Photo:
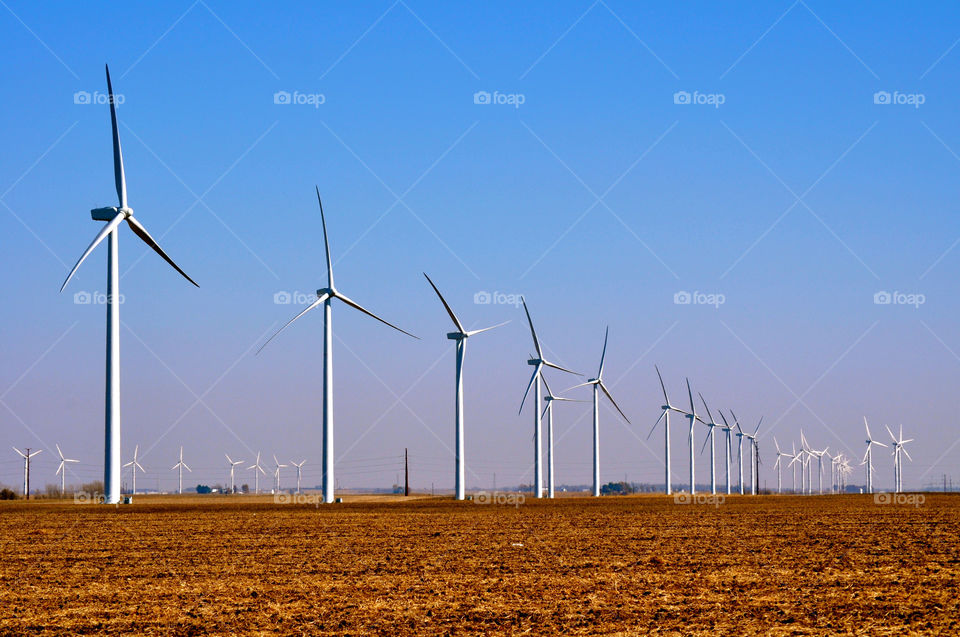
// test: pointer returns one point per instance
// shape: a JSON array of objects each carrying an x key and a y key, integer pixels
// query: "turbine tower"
[
  {"x": 114, "y": 216},
  {"x": 868, "y": 456},
  {"x": 598, "y": 385},
  {"x": 180, "y": 466},
  {"x": 713, "y": 451},
  {"x": 134, "y": 465},
  {"x": 26, "y": 469},
  {"x": 233, "y": 488},
  {"x": 693, "y": 418},
  {"x": 740, "y": 436},
  {"x": 898, "y": 450},
  {"x": 819, "y": 455},
  {"x": 796, "y": 458},
  {"x": 257, "y": 470},
  {"x": 666, "y": 408},
  {"x": 538, "y": 364},
  {"x": 728, "y": 450},
  {"x": 460, "y": 336},
  {"x": 325, "y": 297},
  {"x": 754, "y": 457},
  {"x": 62, "y": 471},
  {"x": 549, "y": 399},
  {"x": 776, "y": 464},
  {"x": 299, "y": 467}
]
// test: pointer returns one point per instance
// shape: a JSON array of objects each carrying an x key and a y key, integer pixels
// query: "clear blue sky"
[{"x": 797, "y": 199}]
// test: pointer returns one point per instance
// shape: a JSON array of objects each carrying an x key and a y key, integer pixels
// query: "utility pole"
[{"x": 406, "y": 472}]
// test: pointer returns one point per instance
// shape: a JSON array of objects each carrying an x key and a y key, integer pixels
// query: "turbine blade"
[
  {"x": 118, "y": 175},
  {"x": 536, "y": 341},
  {"x": 357, "y": 306},
  {"x": 709, "y": 415},
  {"x": 605, "y": 391},
  {"x": 652, "y": 429},
  {"x": 141, "y": 232},
  {"x": 576, "y": 387},
  {"x": 547, "y": 387},
  {"x": 59, "y": 453},
  {"x": 867, "y": 427},
  {"x": 879, "y": 444},
  {"x": 487, "y": 329},
  {"x": 662, "y": 386},
  {"x": 693, "y": 408},
  {"x": 536, "y": 371},
  {"x": 326, "y": 242},
  {"x": 20, "y": 452},
  {"x": 453, "y": 316},
  {"x": 562, "y": 369},
  {"x": 706, "y": 439},
  {"x": 904, "y": 449},
  {"x": 894, "y": 438},
  {"x": 603, "y": 355},
  {"x": 320, "y": 299},
  {"x": 107, "y": 229},
  {"x": 545, "y": 410}
]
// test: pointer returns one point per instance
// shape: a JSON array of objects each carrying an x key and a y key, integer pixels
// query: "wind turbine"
[
  {"x": 693, "y": 418},
  {"x": 777, "y": 463},
  {"x": 819, "y": 455},
  {"x": 62, "y": 470},
  {"x": 898, "y": 448},
  {"x": 180, "y": 466},
  {"x": 796, "y": 458},
  {"x": 538, "y": 364},
  {"x": 549, "y": 399},
  {"x": 26, "y": 469},
  {"x": 325, "y": 297},
  {"x": 740, "y": 436},
  {"x": 666, "y": 408},
  {"x": 276, "y": 472},
  {"x": 256, "y": 476},
  {"x": 598, "y": 385},
  {"x": 233, "y": 463},
  {"x": 727, "y": 446},
  {"x": 460, "y": 336},
  {"x": 754, "y": 457},
  {"x": 114, "y": 216},
  {"x": 134, "y": 465},
  {"x": 299, "y": 467},
  {"x": 868, "y": 456},
  {"x": 713, "y": 452}
]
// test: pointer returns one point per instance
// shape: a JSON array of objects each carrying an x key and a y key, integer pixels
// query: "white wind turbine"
[
  {"x": 115, "y": 216},
  {"x": 62, "y": 470},
  {"x": 460, "y": 336},
  {"x": 806, "y": 477},
  {"x": 26, "y": 469},
  {"x": 819, "y": 455},
  {"x": 276, "y": 472},
  {"x": 233, "y": 464},
  {"x": 539, "y": 363},
  {"x": 868, "y": 456},
  {"x": 796, "y": 458},
  {"x": 325, "y": 297},
  {"x": 713, "y": 451},
  {"x": 754, "y": 458},
  {"x": 780, "y": 454},
  {"x": 180, "y": 466},
  {"x": 693, "y": 418},
  {"x": 740, "y": 435},
  {"x": 257, "y": 470},
  {"x": 728, "y": 448},
  {"x": 549, "y": 399},
  {"x": 666, "y": 408},
  {"x": 299, "y": 467},
  {"x": 598, "y": 385},
  {"x": 898, "y": 448},
  {"x": 134, "y": 465}
]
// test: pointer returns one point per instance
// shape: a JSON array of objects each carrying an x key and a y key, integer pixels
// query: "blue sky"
[{"x": 599, "y": 198}]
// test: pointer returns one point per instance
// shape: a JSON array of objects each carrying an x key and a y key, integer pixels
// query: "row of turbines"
[{"x": 114, "y": 216}]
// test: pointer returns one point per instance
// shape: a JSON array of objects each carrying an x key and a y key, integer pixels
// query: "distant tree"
[
  {"x": 616, "y": 488},
  {"x": 202, "y": 488},
  {"x": 7, "y": 494},
  {"x": 245, "y": 488}
]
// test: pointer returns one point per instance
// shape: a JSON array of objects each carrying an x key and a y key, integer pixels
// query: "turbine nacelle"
[{"x": 108, "y": 213}]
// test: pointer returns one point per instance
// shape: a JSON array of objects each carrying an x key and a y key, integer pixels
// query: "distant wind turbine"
[
  {"x": 549, "y": 399},
  {"x": 325, "y": 297},
  {"x": 276, "y": 472},
  {"x": 62, "y": 470},
  {"x": 538, "y": 364},
  {"x": 460, "y": 336},
  {"x": 299, "y": 466},
  {"x": 180, "y": 466},
  {"x": 709, "y": 440},
  {"x": 257, "y": 470},
  {"x": 868, "y": 456},
  {"x": 134, "y": 465},
  {"x": 26, "y": 469},
  {"x": 666, "y": 408},
  {"x": 115, "y": 216},
  {"x": 233, "y": 464},
  {"x": 598, "y": 386}
]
